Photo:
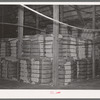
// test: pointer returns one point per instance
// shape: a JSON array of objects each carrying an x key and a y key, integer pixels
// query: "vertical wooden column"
[
  {"x": 61, "y": 13},
  {"x": 55, "y": 45},
  {"x": 77, "y": 53},
  {"x": 37, "y": 21},
  {"x": 20, "y": 29},
  {"x": 20, "y": 33},
  {"x": 93, "y": 53}
]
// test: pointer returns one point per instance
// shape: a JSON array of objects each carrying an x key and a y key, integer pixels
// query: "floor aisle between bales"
[{"x": 89, "y": 84}]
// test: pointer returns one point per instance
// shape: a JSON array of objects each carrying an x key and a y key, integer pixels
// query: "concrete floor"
[{"x": 86, "y": 84}]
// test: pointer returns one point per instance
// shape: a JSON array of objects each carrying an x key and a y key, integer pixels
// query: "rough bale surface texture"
[
  {"x": 9, "y": 68},
  {"x": 36, "y": 71},
  {"x": 67, "y": 72}
]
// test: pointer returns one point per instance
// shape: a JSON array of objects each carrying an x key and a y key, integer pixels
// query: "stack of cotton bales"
[
  {"x": 38, "y": 46},
  {"x": 68, "y": 47},
  {"x": 97, "y": 67},
  {"x": 9, "y": 67},
  {"x": 12, "y": 64},
  {"x": 82, "y": 69},
  {"x": 36, "y": 71},
  {"x": 35, "y": 66},
  {"x": 8, "y": 49},
  {"x": 4, "y": 69},
  {"x": 81, "y": 49},
  {"x": 88, "y": 49},
  {"x": 14, "y": 47},
  {"x": 68, "y": 72},
  {"x": 97, "y": 52},
  {"x": 25, "y": 70},
  {"x": 63, "y": 30},
  {"x": 3, "y": 49},
  {"x": 62, "y": 43},
  {"x": 41, "y": 71},
  {"x": 73, "y": 48},
  {"x": 48, "y": 46},
  {"x": 87, "y": 35},
  {"x": 89, "y": 68},
  {"x": 33, "y": 46}
]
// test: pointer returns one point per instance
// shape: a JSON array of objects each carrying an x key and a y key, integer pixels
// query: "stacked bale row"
[
  {"x": 84, "y": 69},
  {"x": 67, "y": 72},
  {"x": 97, "y": 65},
  {"x": 13, "y": 47},
  {"x": 25, "y": 70},
  {"x": 41, "y": 71},
  {"x": 3, "y": 68},
  {"x": 31, "y": 47},
  {"x": 81, "y": 69},
  {"x": 31, "y": 68},
  {"x": 81, "y": 49},
  {"x": 9, "y": 68},
  {"x": 8, "y": 47},
  {"x": 38, "y": 46},
  {"x": 88, "y": 49},
  {"x": 84, "y": 48},
  {"x": 48, "y": 46},
  {"x": 87, "y": 35},
  {"x": 73, "y": 48},
  {"x": 4, "y": 48},
  {"x": 97, "y": 52},
  {"x": 36, "y": 70},
  {"x": 35, "y": 47},
  {"x": 89, "y": 68},
  {"x": 68, "y": 47}
]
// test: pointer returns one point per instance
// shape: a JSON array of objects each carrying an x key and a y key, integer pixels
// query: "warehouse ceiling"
[{"x": 77, "y": 15}]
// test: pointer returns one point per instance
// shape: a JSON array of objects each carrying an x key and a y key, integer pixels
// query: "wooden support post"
[
  {"x": 20, "y": 33},
  {"x": 61, "y": 13},
  {"x": 77, "y": 53},
  {"x": 20, "y": 30},
  {"x": 55, "y": 45},
  {"x": 37, "y": 21},
  {"x": 93, "y": 53}
]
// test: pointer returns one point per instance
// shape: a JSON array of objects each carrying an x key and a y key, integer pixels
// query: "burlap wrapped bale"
[
  {"x": 89, "y": 68},
  {"x": 41, "y": 71},
  {"x": 25, "y": 70},
  {"x": 67, "y": 73},
  {"x": 82, "y": 69},
  {"x": 12, "y": 64}
]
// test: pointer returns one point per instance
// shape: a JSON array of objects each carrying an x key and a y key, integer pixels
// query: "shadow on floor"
[{"x": 86, "y": 84}]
